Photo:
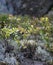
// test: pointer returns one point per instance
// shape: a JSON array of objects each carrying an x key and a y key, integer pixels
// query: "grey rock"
[
  {"x": 5, "y": 57},
  {"x": 43, "y": 54},
  {"x": 2, "y": 49},
  {"x": 10, "y": 60},
  {"x": 50, "y": 13},
  {"x": 1, "y": 57},
  {"x": 13, "y": 43},
  {"x": 30, "y": 7},
  {"x": 42, "y": 51},
  {"x": 4, "y": 9},
  {"x": 0, "y": 46}
]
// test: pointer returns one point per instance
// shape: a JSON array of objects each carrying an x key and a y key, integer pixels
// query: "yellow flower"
[
  {"x": 18, "y": 19},
  {"x": 38, "y": 28},
  {"x": 46, "y": 19},
  {"x": 32, "y": 26},
  {"x": 10, "y": 16},
  {"x": 42, "y": 19}
]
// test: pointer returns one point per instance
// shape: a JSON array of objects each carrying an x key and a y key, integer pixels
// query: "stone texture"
[
  {"x": 6, "y": 58},
  {"x": 9, "y": 58},
  {"x": 3, "y": 8},
  {"x": 30, "y": 7}
]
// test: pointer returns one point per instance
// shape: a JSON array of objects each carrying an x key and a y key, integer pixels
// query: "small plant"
[
  {"x": 21, "y": 27},
  {"x": 28, "y": 49}
]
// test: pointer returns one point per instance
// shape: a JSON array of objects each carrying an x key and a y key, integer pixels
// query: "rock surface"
[
  {"x": 39, "y": 55},
  {"x": 31, "y": 7},
  {"x": 3, "y": 7},
  {"x": 6, "y": 58}
]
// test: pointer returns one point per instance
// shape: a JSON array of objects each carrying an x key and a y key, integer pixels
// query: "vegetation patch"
[{"x": 21, "y": 27}]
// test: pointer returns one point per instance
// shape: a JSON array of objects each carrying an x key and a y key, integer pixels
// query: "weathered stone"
[
  {"x": 3, "y": 8},
  {"x": 10, "y": 60},
  {"x": 42, "y": 54},
  {"x": 6, "y": 56},
  {"x": 30, "y": 7}
]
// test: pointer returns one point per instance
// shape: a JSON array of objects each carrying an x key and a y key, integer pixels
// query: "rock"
[
  {"x": 41, "y": 51},
  {"x": 9, "y": 48},
  {"x": 42, "y": 54},
  {"x": 31, "y": 62},
  {"x": 25, "y": 57},
  {"x": 1, "y": 57},
  {"x": 2, "y": 50},
  {"x": 6, "y": 54},
  {"x": 50, "y": 13},
  {"x": 30, "y": 7},
  {"x": 3, "y": 8},
  {"x": 10, "y": 60},
  {"x": 13, "y": 43}
]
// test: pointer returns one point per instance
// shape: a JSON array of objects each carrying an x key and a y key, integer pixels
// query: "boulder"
[
  {"x": 29, "y": 7},
  {"x": 6, "y": 54},
  {"x": 3, "y": 7}
]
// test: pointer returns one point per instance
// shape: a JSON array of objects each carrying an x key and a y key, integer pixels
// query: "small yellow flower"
[
  {"x": 18, "y": 19},
  {"x": 38, "y": 28},
  {"x": 32, "y": 26},
  {"x": 46, "y": 19},
  {"x": 48, "y": 28},
  {"x": 42, "y": 19},
  {"x": 10, "y": 16}
]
